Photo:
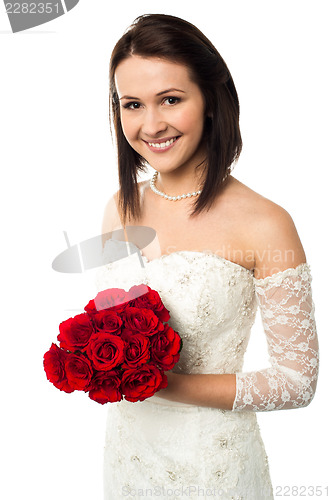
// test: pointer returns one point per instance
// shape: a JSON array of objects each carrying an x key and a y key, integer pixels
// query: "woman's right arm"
[{"x": 111, "y": 220}]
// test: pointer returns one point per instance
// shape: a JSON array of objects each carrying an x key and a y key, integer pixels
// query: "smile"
[{"x": 159, "y": 147}]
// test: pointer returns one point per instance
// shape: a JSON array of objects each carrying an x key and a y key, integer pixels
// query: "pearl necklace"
[{"x": 164, "y": 195}]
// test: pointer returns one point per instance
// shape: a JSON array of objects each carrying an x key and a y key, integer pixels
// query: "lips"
[{"x": 161, "y": 145}]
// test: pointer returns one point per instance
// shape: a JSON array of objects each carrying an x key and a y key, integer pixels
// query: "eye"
[
  {"x": 172, "y": 100},
  {"x": 132, "y": 105}
]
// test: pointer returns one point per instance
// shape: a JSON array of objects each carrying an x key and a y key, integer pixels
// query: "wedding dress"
[{"x": 162, "y": 449}]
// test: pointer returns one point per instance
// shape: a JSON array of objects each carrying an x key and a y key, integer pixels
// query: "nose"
[{"x": 153, "y": 124}]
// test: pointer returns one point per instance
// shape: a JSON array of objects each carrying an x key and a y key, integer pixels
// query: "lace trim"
[{"x": 277, "y": 278}]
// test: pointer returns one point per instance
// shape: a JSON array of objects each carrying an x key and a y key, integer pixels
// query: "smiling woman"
[
  {"x": 177, "y": 86},
  {"x": 175, "y": 109},
  {"x": 167, "y": 116}
]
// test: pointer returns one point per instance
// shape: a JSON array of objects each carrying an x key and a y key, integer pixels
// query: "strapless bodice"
[{"x": 211, "y": 301}]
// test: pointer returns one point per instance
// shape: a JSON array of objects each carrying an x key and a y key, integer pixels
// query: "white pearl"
[{"x": 164, "y": 195}]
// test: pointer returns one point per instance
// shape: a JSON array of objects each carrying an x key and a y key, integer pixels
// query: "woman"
[{"x": 220, "y": 251}]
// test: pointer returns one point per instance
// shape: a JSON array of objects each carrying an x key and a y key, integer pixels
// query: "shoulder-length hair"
[{"x": 176, "y": 40}]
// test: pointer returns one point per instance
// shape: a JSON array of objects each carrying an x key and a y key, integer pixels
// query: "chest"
[{"x": 221, "y": 230}]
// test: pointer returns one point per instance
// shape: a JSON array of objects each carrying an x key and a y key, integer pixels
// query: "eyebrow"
[{"x": 159, "y": 94}]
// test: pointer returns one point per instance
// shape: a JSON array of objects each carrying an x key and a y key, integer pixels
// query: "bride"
[{"x": 221, "y": 251}]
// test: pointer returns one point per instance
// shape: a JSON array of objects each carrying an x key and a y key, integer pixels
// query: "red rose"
[
  {"x": 165, "y": 348},
  {"x": 137, "y": 291},
  {"x": 75, "y": 332},
  {"x": 105, "y": 350},
  {"x": 116, "y": 298},
  {"x": 141, "y": 321},
  {"x": 105, "y": 387},
  {"x": 79, "y": 371},
  {"x": 108, "y": 320},
  {"x": 150, "y": 300},
  {"x": 140, "y": 383},
  {"x": 136, "y": 350},
  {"x": 54, "y": 366}
]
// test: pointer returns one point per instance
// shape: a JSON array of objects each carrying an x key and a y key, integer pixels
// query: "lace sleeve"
[{"x": 287, "y": 312}]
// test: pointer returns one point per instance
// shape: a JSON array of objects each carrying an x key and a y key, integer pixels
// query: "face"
[{"x": 162, "y": 112}]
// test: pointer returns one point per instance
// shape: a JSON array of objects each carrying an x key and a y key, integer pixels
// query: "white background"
[{"x": 58, "y": 169}]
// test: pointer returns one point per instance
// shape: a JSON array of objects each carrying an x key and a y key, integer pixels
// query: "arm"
[
  {"x": 110, "y": 223},
  {"x": 287, "y": 311},
  {"x": 211, "y": 390},
  {"x": 285, "y": 300},
  {"x": 111, "y": 220}
]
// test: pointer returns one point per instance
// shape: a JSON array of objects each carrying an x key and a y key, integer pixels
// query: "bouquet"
[{"x": 118, "y": 348}]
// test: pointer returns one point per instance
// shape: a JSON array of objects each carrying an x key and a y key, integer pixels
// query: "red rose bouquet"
[{"x": 118, "y": 348}]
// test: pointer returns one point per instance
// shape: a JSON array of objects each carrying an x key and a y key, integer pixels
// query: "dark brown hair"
[{"x": 176, "y": 40}]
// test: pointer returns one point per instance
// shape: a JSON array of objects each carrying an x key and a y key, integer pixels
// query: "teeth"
[{"x": 162, "y": 144}]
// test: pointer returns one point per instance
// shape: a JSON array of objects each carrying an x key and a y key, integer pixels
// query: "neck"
[{"x": 181, "y": 182}]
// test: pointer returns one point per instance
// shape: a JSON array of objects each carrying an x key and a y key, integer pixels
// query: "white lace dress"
[{"x": 162, "y": 449}]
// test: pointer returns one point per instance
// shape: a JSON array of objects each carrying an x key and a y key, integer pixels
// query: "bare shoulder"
[
  {"x": 111, "y": 216},
  {"x": 271, "y": 232},
  {"x": 111, "y": 220}
]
